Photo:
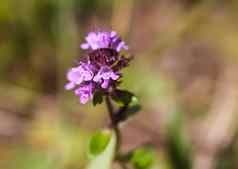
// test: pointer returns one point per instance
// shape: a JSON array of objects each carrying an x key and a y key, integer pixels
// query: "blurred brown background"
[{"x": 184, "y": 72}]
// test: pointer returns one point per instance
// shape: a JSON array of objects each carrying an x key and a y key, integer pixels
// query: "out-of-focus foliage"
[
  {"x": 178, "y": 148},
  {"x": 185, "y": 54},
  {"x": 143, "y": 158}
]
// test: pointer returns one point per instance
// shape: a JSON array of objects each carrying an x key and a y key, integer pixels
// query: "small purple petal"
[
  {"x": 113, "y": 34},
  {"x": 91, "y": 37},
  {"x": 84, "y": 98},
  {"x": 86, "y": 72},
  {"x": 120, "y": 46},
  {"x": 85, "y": 92},
  {"x": 125, "y": 47},
  {"x": 105, "y": 84},
  {"x": 97, "y": 78},
  {"x": 92, "y": 40},
  {"x": 84, "y": 45},
  {"x": 105, "y": 73},
  {"x": 114, "y": 76},
  {"x": 69, "y": 86},
  {"x": 77, "y": 75},
  {"x": 74, "y": 75}
]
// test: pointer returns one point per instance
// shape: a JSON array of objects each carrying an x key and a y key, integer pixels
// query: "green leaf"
[
  {"x": 143, "y": 158},
  {"x": 99, "y": 142},
  {"x": 133, "y": 107},
  {"x": 102, "y": 148},
  {"x": 127, "y": 111},
  {"x": 122, "y": 97},
  {"x": 128, "y": 104},
  {"x": 97, "y": 98}
]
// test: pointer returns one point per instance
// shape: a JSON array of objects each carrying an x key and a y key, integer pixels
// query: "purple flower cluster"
[{"x": 100, "y": 68}]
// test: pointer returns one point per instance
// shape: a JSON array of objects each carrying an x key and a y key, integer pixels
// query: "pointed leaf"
[
  {"x": 122, "y": 97},
  {"x": 127, "y": 111}
]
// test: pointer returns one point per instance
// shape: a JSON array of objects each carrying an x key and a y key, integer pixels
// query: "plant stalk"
[{"x": 114, "y": 123}]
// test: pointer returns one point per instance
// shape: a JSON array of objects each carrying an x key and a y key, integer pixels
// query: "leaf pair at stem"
[
  {"x": 104, "y": 145},
  {"x": 126, "y": 102}
]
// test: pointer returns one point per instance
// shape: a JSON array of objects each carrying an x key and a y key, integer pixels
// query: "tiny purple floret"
[
  {"x": 104, "y": 75},
  {"x": 85, "y": 92},
  {"x": 77, "y": 75},
  {"x": 97, "y": 40}
]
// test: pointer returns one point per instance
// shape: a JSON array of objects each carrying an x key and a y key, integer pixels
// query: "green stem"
[
  {"x": 114, "y": 123},
  {"x": 110, "y": 110}
]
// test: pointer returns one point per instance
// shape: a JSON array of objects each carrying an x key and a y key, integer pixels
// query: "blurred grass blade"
[{"x": 178, "y": 147}]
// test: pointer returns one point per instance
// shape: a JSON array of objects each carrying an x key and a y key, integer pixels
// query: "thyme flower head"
[{"x": 99, "y": 69}]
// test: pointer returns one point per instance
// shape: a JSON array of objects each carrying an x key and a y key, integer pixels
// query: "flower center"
[{"x": 103, "y": 56}]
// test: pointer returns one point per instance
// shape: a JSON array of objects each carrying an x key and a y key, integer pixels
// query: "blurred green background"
[{"x": 184, "y": 73}]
